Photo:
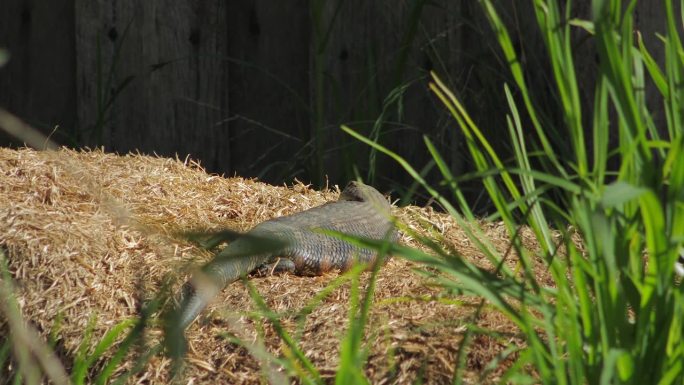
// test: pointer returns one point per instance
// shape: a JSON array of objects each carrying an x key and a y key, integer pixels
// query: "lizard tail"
[
  {"x": 190, "y": 306},
  {"x": 239, "y": 258},
  {"x": 227, "y": 267}
]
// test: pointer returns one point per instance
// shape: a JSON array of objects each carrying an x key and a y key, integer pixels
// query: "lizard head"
[{"x": 359, "y": 192}]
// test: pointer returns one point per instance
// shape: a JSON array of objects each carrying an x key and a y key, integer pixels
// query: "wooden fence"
[{"x": 260, "y": 88}]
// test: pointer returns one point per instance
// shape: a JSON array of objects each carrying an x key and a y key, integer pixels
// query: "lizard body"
[{"x": 360, "y": 210}]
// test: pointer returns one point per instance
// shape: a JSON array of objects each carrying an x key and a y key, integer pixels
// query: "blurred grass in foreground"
[{"x": 615, "y": 312}]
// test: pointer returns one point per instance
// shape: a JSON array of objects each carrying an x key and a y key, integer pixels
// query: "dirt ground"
[{"x": 91, "y": 234}]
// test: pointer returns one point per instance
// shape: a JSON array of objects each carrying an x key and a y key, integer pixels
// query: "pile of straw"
[{"x": 91, "y": 235}]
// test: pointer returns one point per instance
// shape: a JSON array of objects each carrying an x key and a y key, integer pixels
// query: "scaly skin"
[{"x": 361, "y": 210}]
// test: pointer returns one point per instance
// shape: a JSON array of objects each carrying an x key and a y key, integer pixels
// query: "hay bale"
[{"x": 87, "y": 232}]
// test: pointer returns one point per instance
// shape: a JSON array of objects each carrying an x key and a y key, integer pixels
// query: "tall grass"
[{"x": 614, "y": 313}]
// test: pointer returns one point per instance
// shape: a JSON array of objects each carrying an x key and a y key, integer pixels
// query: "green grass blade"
[
  {"x": 107, "y": 341},
  {"x": 80, "y": 368},
  {"x": 309, "y": 370}
]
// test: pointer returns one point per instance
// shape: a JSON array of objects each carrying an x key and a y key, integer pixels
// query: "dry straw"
[{"x": 90, "y": 234}]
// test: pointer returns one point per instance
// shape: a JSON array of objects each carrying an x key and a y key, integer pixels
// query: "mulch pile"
[{"x": 92, "y": 235}]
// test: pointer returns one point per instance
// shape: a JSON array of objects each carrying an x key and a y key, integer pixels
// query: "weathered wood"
[
  {"x": 37, "y": 83},
  {"x": 268, "y": 62},
  {"x": 172, "y": 52},
  {"x": 344, "y": 89},
  {"x": 388, "y": 46},
  {"x": 260, "y": 88}
]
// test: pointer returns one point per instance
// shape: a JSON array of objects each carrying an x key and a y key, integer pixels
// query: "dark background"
[{"x": 260, "y": 88}]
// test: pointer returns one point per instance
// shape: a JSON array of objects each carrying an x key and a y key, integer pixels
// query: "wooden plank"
[
  {"x": 364, "y": 60},
  {"x": 37, "y": 82},
  {"x": 388, "y": 45},
  {"x": 343, "y": 88},
  {"x": 269, "y": 89},
  {"x": 172, "y": 54}
]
